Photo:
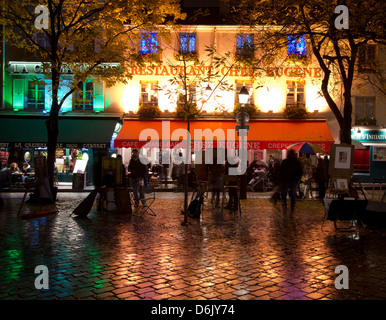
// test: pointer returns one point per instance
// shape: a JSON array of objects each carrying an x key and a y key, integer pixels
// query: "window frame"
[
  {"x": 296, "y": 93},
  {"x": 149, "y": 91},
  {"x": 364, "y": 114},
  {"x": 35, "y": 103},
  {"x": 147, "y": 42},
  {"x": 245, "y": 48},
  {"x": 83, "y": 95},
  {"x": 293, "y": 50},
  {"x": 188, "y": 48},
  {"x": 192, "y": 92},
  {"x": 365, "y": 63}
]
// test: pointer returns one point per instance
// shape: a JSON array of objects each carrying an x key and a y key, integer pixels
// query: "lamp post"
[{"x": 243, "y": 118}]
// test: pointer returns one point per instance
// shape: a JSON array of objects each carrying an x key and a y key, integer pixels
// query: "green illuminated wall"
[{"x": 16, "y": 90}]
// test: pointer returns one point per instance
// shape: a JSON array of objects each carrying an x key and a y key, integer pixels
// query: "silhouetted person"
[
  {"x": 137, "y": 173},
  {"x": 290, "y": 174},
  {"x": 322, "y": 177},
  {"x": 232, "y": 192}
]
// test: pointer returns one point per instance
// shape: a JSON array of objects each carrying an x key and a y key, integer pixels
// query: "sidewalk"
[{"x": 261, "y": 255}]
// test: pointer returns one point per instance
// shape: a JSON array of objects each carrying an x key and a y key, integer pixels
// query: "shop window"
[
  {"x": 249, "y": 86},
  {"x": 83, "y": 99},
  {"x": 149, "y": 93},
  {"x": 362, "y": 160},
  {"x": 296, "y": 45},
  {"x": 366, "y": 57},
  {"x": 149, "y": 42},
  {"x": 191, "y": 92},
  {"x": 295, "y": 93},
  {"x": 244, "y": 44},
  {"x": 379, "y": 154},
  {"x": 35, "y": 96},
  {"x": 188, "y": 42},
  {"x": 364, "y": 111}
]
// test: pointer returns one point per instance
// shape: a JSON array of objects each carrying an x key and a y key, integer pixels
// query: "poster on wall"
[
  {"x": 3, "y": 158},
  {"x": 258, "y": 155}
]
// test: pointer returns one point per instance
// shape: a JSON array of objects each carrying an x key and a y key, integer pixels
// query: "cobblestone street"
[{"x": 261, "y": 255}]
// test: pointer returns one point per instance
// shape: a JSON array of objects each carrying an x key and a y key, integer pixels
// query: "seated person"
[
  {"x": 5, "y": 177},
  {"x": 14, "y": 167},
  {"x": 257, "y": 173},
  {"x": 26, "y": 168}
]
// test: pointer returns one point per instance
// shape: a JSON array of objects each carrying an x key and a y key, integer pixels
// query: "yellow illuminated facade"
[{"x": 269, "y": 91}]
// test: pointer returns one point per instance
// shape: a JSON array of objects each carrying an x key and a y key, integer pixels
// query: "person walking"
[
  {"x": 232, "y": 192},
  {"x": 137, "y": 173},
  {"x": 216, "y": 181},
  {"x": 322, "y": 177},
  {"x": 275, "y": 179},
  {"x": 290, "y": 174}
]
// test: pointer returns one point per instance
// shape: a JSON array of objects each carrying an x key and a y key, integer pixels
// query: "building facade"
[{"x": 277, "y": 98}]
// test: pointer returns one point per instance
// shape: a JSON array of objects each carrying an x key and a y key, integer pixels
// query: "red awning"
[{"x": 263, "y": 134}]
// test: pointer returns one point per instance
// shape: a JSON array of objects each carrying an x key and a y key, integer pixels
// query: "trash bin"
[{"x": 78, "y": 181}]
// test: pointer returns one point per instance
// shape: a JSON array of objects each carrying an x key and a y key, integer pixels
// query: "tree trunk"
[
  {"x": 345, "y": 133},
  {"x": 52, "y": 131},
  {"x": 52, "y": 125}
]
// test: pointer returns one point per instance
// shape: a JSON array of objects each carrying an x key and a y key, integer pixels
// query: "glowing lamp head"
[
  {"x": 243, "y": 95},
  {"x": 208, "y": 90}
]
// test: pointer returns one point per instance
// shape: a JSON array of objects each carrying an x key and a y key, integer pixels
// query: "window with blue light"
[
  {"x": 149, "y": 42},
  {"x": 296, "y": 45},
  {"x": 244, "y": 44},
  {"x": 187, "y": 42}
]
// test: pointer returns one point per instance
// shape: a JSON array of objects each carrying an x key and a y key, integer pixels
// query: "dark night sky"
[{"x": 201, "y": 3}]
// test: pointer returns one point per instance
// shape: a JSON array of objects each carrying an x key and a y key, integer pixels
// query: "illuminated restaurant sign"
[
  {"x": 37, "y": 67},
  {"x": 169, "y": 70}
]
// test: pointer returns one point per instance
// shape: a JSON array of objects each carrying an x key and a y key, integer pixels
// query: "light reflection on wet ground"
[{"x": 261, "y": 255}]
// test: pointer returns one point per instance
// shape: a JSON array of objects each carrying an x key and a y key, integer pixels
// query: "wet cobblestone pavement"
[{"x": 261, "y": 255}]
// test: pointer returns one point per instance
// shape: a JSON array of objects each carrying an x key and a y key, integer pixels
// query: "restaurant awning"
[
  {"x": 74, "y": 132},
  {"x": 263, "y": 134}
]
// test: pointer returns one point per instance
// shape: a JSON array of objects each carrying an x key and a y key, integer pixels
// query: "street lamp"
[
  {"x": 243, "y": 119},
  {"x": 208, "y": 91},
  {"x": 243, "y": 96}
]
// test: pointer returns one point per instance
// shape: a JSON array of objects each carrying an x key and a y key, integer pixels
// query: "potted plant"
[
  {"x": 367, "y": 121},
  {"x": 189, "y": 111},
  {"x": 305, "y": 60},
  {"x": 249, "y": 108},
  {"x": 187, "y": 56},
  {"x": 295, "y": 111},
  {"x": 148, "y": 111}
]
